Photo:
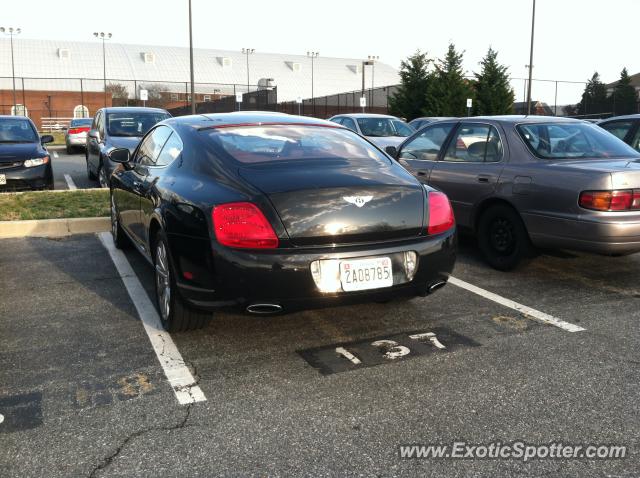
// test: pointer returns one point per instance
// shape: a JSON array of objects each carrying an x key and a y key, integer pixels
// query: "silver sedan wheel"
[
  {"x": 163, "y": 283},
  {"x": 102, "y": 178},
  {"x": 114, "y": 219}
]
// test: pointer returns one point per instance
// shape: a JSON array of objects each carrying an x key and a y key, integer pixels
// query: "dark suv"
[{"x": 117, "y": 127}]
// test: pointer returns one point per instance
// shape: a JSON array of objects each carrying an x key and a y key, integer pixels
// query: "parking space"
[
  {"x": 84, "y": 390},
  {"x": 69, "y": 170}
]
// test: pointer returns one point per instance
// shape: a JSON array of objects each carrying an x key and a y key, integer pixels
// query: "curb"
[{"x": 54, "y": 227}]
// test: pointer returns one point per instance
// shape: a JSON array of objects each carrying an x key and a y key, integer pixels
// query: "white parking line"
[
  {"x": 55, "y": 155},
  {"x": 70, "y": 183},
  {"x": 528, "y": 311},
  {"x": 178, "y": 374}
]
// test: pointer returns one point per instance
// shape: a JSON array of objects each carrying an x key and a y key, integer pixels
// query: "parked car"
[
  {"x": 627, "y": 128},
  {"x": 419, "y": 123},
  {"x": 381, "y": 130},
  {"x": 120, "y": 127},
  {"x": 532, "y": 181},
  {"x": 75, "y": 136},
  {"x": 272, "y": 212},
  {"x": 24, "y": 161}
]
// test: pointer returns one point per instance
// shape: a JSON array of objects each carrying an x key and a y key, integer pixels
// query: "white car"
[
  {"x": 382, "y": 130},
  {"x": 76, "y": 135}
]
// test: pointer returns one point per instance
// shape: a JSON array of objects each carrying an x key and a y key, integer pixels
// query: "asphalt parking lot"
[
  {"x": 83, "y": 392},
  {"x": 69, "y": 170}
]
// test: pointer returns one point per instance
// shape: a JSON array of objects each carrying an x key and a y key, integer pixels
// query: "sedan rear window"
[
  {"x": 17, "y": 131},
  {"x": 382, "y": 127},
  {"x": 133, "y": 124},
  {"x": 261, "y": 143},
  {"x": 572, "y": 141}
]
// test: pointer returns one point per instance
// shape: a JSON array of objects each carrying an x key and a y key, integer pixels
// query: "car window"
[
  {"x": 264, "y": 144},
  {"x": 151, "y": 146},
  {"x": 337, "y": 120},
  {"x": 15, "y": 130},
  {"x": 81, "y": 122},
  {"x": 416, "y": 124},
  {"x": 403, "y": 129},
  {"x": 100, "y": 125},
  {"x": 573, "y": 140},
  {"x": 427, "y": 144},
  {"x": 349, "y": 123},
  {"x": 635, "y": 141},
  {"x": 475, "y": 143},
  {"x": 125, "y": 123},
  {"x": 618, "y": 128},
  {"x": 384, "y": 127},
  {"x": 170, "y": 151}
]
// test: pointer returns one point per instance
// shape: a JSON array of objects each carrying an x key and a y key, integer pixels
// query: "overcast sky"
[{"x": 573, "y": 37}]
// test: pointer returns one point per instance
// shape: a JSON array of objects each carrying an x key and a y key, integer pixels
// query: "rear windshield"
[
  {"x": 263, "y": 144},
  {"x": 81, "y": 122},
  {"x": 382, "y": 127},
  {"x": 133, "y": 124},
  {"x": 17, "y": 131},
  {"x": 573, "y": 140}
]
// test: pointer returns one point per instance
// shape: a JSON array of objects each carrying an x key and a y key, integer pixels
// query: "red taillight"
[
  {"x": 242, "y": 224},
  {"x": 623, "y": 200},
  {"x": 441, "y": 217},
  {"x": 78, "y": 130}
]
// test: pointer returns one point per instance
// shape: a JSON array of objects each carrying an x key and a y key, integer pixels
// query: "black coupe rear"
[{"x": 271, "y": 213}]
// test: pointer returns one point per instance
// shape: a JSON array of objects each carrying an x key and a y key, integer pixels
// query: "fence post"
[
  {"x": 24, "y": 105},
  {"x": 186, "y": 94},
  {"x": 82, "y": 97}
]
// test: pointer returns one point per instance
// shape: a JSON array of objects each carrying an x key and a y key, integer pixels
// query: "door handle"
[
  {"x": 421, "y": 173},
  {"x": 482, "y": 178}
]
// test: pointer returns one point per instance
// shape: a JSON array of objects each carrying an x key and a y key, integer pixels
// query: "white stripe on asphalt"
[
  {"x": 70, "y": 183},
  {"x": 55, "y": 155},
  {"x": 178, "y": 374},
  {"x": 527, "y": 311}
]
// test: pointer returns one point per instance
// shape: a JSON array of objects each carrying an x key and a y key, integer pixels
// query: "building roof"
[
  {"x": 59, "y": 59},
  {"x": 635, "y": 82}
]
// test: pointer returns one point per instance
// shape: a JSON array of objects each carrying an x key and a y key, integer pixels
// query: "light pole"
[
  {"x": 365, "y": 63},
  {"x": 193, "y": 86},
  {"x": 104, "y": 36},
  {"x": 372, "y": 59},
  {"x": 12, "y": 31},
  {"x": 313, "y": 55},
  {"x": 533, "y": 24},
  {"x": 247, "y": 52}
]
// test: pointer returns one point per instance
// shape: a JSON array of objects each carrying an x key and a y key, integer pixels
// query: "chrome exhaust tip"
[
  {"x": 264, "y": 308},
  {"x": 434, "y": 287}
]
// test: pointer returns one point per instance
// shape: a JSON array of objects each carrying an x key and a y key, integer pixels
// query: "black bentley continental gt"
[{"x": 273, "y": 213}]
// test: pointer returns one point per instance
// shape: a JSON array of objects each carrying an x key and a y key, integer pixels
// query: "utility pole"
[
  {"x": 247, "y": 52},
  {"x": 313, "y": 55},
  {"x": 104, "y": 36},
  {"x": 12, "y": 31},
  {"x": 533, "y": 24},
  {"x": 193, "y": 86}
]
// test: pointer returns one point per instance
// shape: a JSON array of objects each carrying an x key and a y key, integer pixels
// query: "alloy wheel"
[
  {"x": 163, "y": 283},
  {"x": 114, "y": 220},
  {"x": 502, "y": 236},
  {"x": 102, "y": 177}
]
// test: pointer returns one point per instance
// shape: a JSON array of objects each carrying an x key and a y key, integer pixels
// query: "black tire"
[
  {"x": 103, "y": 180},
  {"x": 70, "y": 149},
  {"x": 120, "y": 238},
  {"x": 175, "y": 314},
  {"x": 503, "y": 238},
  {"x": 90, "y": 174}
]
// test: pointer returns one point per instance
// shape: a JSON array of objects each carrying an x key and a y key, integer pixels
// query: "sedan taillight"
[
  {"x": 621, "y": 200},
  {"x": 242, "y": 224},
  {"x": 78, "y": 130},
  {"x": 441, "y": 217}
]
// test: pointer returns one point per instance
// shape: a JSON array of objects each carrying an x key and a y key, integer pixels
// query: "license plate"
[
  {"x": 363, "y": 274},
  {"x": 3, "y": 179}
]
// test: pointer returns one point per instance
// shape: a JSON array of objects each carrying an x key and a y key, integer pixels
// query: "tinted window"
[
  {"x": 572, "y": 140},
  {"x": 381, "y": 127},
  {"x": 260, "y": 144},
  {"x": 618, "y": 128},
  {"x": 337, "y": 120},
  {"x": 416, "y": 124},
  {"x": 349, "y": 123},
  {"x": 17, "y": 131},
  {"x": 152, "y": 145},
  {"x": 81, "y": 122},
  {"x": 635, "y": 141},
  {"x": 427, "y": 144},
  {"x": 131, "y": 123},
  {"x": 475, "y": 143},
  {"x": 171, "y": 150}
]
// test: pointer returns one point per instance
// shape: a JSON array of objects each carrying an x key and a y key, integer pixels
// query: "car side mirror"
[
  {"x": 120, "y": 155},
  {"x": 392, "y": 151},
  {"x": 47, "y": 138},
  {"x": 93, "y": 134}
]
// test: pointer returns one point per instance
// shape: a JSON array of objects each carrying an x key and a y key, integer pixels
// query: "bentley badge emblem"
[{"x": 358, "y": 200}]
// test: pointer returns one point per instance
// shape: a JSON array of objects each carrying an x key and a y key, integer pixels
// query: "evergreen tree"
[
  {"x": 494, "y": 95},
  {"x": 624, "y": 99},
  {"x": 409, "y": 100},
  {"x": 594, "y": 98},
  {"x": 448, "y": 93}
]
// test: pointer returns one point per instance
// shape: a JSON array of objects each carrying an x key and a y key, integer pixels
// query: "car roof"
[
  {"x": 622, "y": 117},
  {"x": 433, "y": 118},
  {"x": 519, "y": 119},
  {"x": 245, "y": 118},
  {"x": 366, "y": 115},
  {"x": 14, "y": 117},
  {"x": 132, "y": 109}
]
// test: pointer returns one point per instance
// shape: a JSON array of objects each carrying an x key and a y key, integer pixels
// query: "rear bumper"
[
  {"x": 233, "y": 278},
  {"x": 600, "y": 235},
  {"x": 76, "y": 140},
  {"x": 24, "y": 179}
]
